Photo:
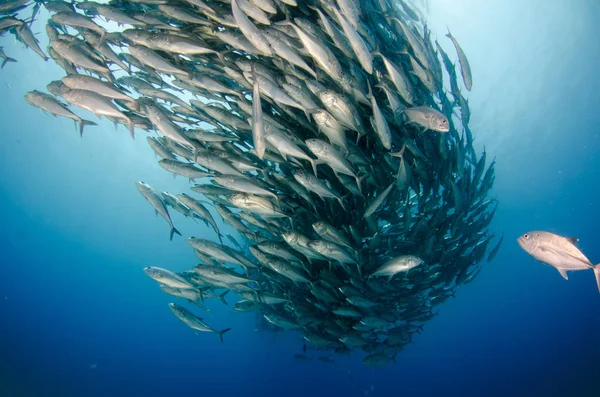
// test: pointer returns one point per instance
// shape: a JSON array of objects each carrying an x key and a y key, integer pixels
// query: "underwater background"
[{"x": 78, "y": 317}]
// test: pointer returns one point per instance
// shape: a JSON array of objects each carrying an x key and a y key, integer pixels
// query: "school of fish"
[{"x": 320, "y": 130}]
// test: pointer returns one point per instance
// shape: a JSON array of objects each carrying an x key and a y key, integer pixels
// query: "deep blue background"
[{"x": 78, "y": 317}]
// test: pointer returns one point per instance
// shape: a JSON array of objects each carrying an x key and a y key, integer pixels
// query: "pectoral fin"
[{"x": 563, "y": 273}]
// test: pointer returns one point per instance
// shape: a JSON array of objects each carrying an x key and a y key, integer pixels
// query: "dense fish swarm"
[{"x": 320, "y": 130}]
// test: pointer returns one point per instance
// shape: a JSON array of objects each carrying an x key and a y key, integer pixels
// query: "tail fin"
[
  {"x": 131, "y": 128},
  {"x": 101, "y": 40},
  {"x": 377, "y": 50},
  {"x": 200, "y": 305},
  {"x": 6, "y": 60},
  {"x": 597, "y": 274},
  {"x": 173, "y": 231},
  {"x": 222, "y": 297},
  {"x": 221, "y": 333},
  {"x": 82, "y": 124}
]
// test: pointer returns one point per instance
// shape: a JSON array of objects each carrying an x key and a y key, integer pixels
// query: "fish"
[
  {"x": 51, "y": 105},
  {"x": 89, "y": 83},
  {"x": 465, "y": 68},
  {"x": 381, "y": 126},
  {"x": 157, "y": 203},
  {"x": 194, "y": 322},
  {"x": 399, "y": 264},
  {"x": 26, "y": 35},
  {"x": 97, "y": 104},
  {"x": 167, "y": 277},
  {"x": 249, "y": 30},
  {"x": 356, "y": 42},
  {"x": 377, "y": 359},
  {"x": 495, "y": 250},
  {"x": 557, "y": 251},
  {"x": 378, "y": 200},
  {"x": 427, "y": 117}
]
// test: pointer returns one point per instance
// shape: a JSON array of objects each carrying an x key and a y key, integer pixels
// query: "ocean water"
[{"x": 78, "y": 317}]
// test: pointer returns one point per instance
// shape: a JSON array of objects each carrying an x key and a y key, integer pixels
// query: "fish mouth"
[{"x": 521, "y": 241}]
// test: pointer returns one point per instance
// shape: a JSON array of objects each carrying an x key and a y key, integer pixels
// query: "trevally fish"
[
  {"x": 558, "y": 252},
  {"x": 397, "y": 265},
  {"x": 159, "y": 206},
  {"x": 193, "y": 321}
]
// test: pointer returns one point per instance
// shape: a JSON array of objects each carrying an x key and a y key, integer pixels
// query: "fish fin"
[
  {"x": 6, "y": 60},
  {"x": 572, "y": 240},
  {"x": 341, "y": 201},
  {"x": 359, "y": 182},
  {"x": 221, "y": 297},
  {"x": 221, "y": 333},
  {"x": 449, "y": 35},
  {"x": 377, "y": 50},
  {"x": 131, "y": 129},
  {"x": 201, "y": 306},
  {"x": 101, "y": 40},
  {"x": 82, "y": 124},
  {"x": 563, "y": 273},
  {"x": 314, "y": 164},
  {"x": 400, "y": 153},
  {"x": 173, "y": 231},
  {"x": 370, "y": 93},
  {"x": 597, "y": 274}
]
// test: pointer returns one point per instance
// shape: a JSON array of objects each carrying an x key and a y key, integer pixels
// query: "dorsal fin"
[{"x": 572, "y": 240}]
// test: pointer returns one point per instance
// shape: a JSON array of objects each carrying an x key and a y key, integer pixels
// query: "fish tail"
[
  {"x": 200, "y": 305},
  {"x": 221, "y": 55},
  {"x": 7, "y": 60},
  {"x": 359, "y": 181},
  {"x": 173, "y": 231},
  {"x": 221, "y": 333},
  {"x": 341, "y": 201},
  {"x": 314, "y": 164},
  {"x": 131, "y": 128},
  {"x": 82, "y": 124},
  {"x": 597, "y": 274},
  {"x": 222, "y": 297},
  {"x": 377, "y": 50},
  {"x": 101, "y": 40}
]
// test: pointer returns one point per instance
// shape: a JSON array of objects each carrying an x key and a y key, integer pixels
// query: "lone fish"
[{"x": 558, "y": 252}]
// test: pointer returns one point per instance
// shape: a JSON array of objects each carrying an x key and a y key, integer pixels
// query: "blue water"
[{"x": 78, "y": 317}]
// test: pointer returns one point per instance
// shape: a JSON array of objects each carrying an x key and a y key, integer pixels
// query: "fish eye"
[{"x": 526, "y": 235}]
